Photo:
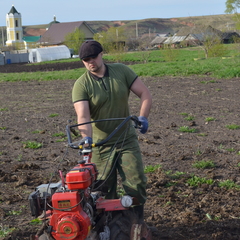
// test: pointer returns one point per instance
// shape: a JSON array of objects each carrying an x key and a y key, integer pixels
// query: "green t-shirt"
[{"x": 108, "y": 98}]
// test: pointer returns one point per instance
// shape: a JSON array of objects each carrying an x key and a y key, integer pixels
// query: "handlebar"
[{"x": 75, "y": 145}]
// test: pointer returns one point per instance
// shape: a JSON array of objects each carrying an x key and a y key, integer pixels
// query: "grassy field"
[{"x": 176, "y": 62}]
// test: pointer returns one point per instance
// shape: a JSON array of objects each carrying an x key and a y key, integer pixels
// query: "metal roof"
[
  {"x": 31, "y": 38},
  {"x": 158, "y": 40},
  {"x": 174, "y": 39}
]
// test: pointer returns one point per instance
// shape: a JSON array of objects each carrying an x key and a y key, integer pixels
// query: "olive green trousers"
[{"x": 124, "y": 159}]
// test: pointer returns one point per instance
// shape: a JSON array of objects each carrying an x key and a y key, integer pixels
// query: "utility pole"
[
  {"x": 136, "y": 30},
  {"x": 2, "y": 37}
]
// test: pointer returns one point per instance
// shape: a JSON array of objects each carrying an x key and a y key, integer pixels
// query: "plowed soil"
[{"x": 176, "y": 209}]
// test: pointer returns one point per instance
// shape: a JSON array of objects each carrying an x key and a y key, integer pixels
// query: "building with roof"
[
  {"x": 159, "y": 40},
  {"x": 51, "y": 34},
  {"x": 196, "y": 35},
  {"x": 56, "y": 33},
  {"x": 15, "y": 37}
]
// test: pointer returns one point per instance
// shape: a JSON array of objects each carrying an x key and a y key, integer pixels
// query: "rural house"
[
  {"x": 55, "y": 35},
  {"x": 196, "y": 35},
  {"x": 229, "y": 37},
  {"x": 159, "y": 40}
]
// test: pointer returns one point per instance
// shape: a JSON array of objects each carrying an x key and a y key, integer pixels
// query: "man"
[{"x": 102, "y": 92}]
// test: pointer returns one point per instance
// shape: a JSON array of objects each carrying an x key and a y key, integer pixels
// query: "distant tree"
[
  {"x": 143, "y": 48},
  {"x": 74, "y": 40},
  {"x": 2, "y": 36},
  {"x": 213, "y": 47},
  {"x": 232, "y": 7},
  {"x": 113, "y": 41},
  {"x": 236, "y": 45},
  {"x": 210, "y": 40},
  {"x": 170, "y": 53},
  {"x": 132, "y": 43}
]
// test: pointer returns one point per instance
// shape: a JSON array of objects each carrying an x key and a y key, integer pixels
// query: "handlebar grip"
[{"x": 136, "y": 121}]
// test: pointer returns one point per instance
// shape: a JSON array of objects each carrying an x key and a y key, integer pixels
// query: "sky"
[{"x": 42, "y": 12}]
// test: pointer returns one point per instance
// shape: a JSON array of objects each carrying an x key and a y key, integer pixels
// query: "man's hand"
[{"x": 144, "y": 124}]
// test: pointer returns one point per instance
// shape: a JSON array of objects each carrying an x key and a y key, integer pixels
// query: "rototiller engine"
[{"x": 75, "y": 207}]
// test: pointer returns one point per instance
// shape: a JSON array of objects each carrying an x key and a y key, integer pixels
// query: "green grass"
[
  {"x": 56, "y": 61},
  {"x": 206, "y": 82},
  {"x": 215, "y": 218},
  {"x": 183, "y": 114},
  {"x": 233, "y": 126},
  {"x": 19, "y": 158},
  {"x": 53, "y": 115},
  {"x": 187, "y": 129},
  {"x": 5, "y": 230},
  {"x": 13, "y": 212},
  {"x": 183, "y": 64},
  {"x": 189, "y": 118},
  {"x": 215, "y": 66},
  {"x": 228, "y": 184},
  {"x": 195, "y": 181},
  {"x": 175, "y": 175},
  {"x": 60, "y": 134},
  {"x": 36, "y": 221},
  {"x": 209, "y": 119},
  {"x": 37, "y": 131},
  {"x": 198, "y": 152},
  {"x": 170, "y": 184},
  {"x": 72, "y": 74},
  {"x": 32, "y": 144},
  {"x": 204, "y": 164},
  {"x": 151, "y": 168}
]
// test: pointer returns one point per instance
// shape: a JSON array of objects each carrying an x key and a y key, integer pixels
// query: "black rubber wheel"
[{"x": 121, "y": 224}]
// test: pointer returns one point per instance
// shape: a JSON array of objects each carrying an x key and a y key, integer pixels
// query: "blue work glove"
[
  {"x": 144, "y": 124},
  {"x": 86, "y": 140}
]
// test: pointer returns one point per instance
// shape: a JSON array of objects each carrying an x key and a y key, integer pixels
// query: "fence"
[{"x": 16, "y": 57}]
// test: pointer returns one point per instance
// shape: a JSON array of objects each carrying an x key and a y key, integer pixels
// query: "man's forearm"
[
  {"x": 86, "y": 129},
  {"x": 146, "y": 103}
]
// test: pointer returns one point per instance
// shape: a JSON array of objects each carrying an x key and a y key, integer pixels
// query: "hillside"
[
  {"x": 163, "y": 25},
  {"x": 152, "y": 25}
]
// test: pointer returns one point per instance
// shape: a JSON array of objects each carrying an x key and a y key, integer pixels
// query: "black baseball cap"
[{"x": 90, "y": 49}]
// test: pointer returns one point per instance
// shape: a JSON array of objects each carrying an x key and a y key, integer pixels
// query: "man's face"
[{"x": 93, "y": 64}]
